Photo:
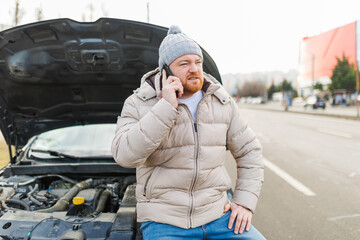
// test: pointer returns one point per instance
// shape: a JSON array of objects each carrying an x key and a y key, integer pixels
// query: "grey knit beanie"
[{"x": 176, "y": 44}]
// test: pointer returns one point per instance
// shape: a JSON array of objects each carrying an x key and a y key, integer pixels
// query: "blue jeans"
[{"x": 217, "y": 229}]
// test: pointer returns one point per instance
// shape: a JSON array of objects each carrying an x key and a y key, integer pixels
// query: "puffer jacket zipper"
[
  {"x": 191, "y": 195},
  {"x": 196, "y": 167},
  {"x": 196, "y": 170}
]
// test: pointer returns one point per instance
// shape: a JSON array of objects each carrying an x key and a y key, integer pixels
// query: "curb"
[{"x": 304, "y": 113}]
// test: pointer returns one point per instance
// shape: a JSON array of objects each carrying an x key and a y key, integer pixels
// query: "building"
[{"x": 317, "y": 55}]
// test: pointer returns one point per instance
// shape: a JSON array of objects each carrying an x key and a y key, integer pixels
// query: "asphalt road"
[{"x": 312, "y": 176}]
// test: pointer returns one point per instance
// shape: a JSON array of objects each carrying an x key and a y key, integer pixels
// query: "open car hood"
[{"x": 61, "y": 72}]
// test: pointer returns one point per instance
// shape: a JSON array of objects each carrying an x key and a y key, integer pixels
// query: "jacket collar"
[
  {"x": 151, "y": 86},
  {"x": 215, "y": 88}
]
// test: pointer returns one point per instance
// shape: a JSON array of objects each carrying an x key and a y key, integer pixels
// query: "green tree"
[
  {"x": 286, "y": 86},
  {"x": 319, "y": 86},
  {"x": 343, "y": 76},
  {"x": 271, "y": 90}
]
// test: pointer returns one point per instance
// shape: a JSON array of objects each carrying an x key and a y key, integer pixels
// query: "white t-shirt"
[{"x": 192, "y": 102}]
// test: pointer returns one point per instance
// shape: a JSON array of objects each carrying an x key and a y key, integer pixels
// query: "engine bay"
[{"x": 55, "y": 206}]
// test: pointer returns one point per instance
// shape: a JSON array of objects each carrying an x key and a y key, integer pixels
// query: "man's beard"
[{"x": 193, "y": 85}]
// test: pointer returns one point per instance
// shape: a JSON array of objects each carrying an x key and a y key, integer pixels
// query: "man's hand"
[
  {"x": 169, "y": 87},
  {"x": 242, "y": 215}
]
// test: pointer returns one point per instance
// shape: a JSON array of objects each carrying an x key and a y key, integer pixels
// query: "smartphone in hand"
[
  {"x": 169, "y": 73},
  {"x": 167, "y": 70}
]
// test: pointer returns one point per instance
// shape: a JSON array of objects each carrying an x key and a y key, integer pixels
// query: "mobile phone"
[
  {"x": 169, "y": 73},
  {"x": 167, "y": 70}
]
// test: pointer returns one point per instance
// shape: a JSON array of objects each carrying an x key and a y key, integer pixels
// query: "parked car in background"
[
  {"x": 62, "y": 85},
  {"x": 315, "y": 102},
  {"x": 252, "y": 100}
]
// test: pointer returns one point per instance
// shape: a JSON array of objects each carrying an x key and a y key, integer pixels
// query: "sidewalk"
[{"x": 336, "y": 111}]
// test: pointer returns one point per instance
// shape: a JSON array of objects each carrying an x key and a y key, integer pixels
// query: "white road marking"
[
  {"x": 289, "y": 179},
  {"x": 342, "y": 217},
  {"x": 335, "y": 133}
]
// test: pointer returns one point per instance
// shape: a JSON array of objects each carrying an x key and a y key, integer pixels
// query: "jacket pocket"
[{"x": 150, "y": 183}]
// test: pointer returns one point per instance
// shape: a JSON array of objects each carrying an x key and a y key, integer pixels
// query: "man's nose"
[{"x": 193, "y": 67}]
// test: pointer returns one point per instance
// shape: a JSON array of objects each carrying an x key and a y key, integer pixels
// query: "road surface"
[{"x": 312, "y": 175}]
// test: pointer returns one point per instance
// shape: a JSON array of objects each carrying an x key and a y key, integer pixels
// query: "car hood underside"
[{"x": 61, "y": 72}]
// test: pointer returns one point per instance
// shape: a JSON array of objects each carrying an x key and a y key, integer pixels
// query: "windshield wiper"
[
  {"x": 55, "y": 153},
  {"x": 64, "y": 155}
]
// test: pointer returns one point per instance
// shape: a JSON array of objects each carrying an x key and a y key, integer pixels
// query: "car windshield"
[{"x": 78, "y": 141}]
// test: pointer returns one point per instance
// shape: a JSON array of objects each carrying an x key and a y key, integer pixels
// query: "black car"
[
  {"x": 315, "y": 102},
  {"x": 320, "y": 103},
  {"x": 62, "y": 86}
]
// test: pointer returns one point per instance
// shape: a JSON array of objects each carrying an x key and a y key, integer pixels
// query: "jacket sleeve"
[
  {"x": 137, "y": 138},
  {"x": 247, "y": 152}
]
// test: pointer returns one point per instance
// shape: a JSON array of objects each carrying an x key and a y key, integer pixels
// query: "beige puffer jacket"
[{"x": 181, "y": 178}]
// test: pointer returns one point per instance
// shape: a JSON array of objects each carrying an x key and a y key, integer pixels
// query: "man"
[{"x": 178, "y": 146}]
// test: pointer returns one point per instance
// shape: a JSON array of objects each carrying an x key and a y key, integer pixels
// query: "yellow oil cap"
[{"x": 78, "y": 200}]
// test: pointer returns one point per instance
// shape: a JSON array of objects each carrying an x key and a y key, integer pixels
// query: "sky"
[{"x": 242, "y": 36}]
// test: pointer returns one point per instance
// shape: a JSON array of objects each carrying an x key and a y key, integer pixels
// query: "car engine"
[{"x": 54, "y": 206}]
